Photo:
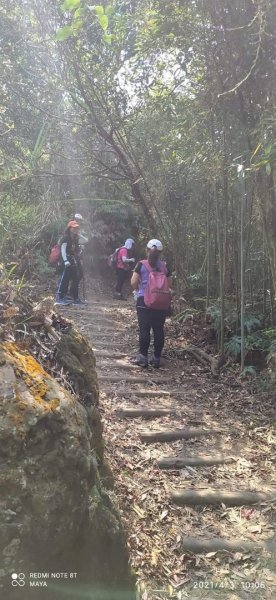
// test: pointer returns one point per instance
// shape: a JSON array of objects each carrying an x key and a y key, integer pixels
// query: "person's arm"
[
  {"x": 134, "y": 282},
  {"x": 63, "y": 250},
  {"x": 125, "y": 259},
  {"x": 135, "y": 279}
]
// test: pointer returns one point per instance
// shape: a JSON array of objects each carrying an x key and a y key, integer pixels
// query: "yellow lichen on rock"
[{"x": 31, "y": 372}]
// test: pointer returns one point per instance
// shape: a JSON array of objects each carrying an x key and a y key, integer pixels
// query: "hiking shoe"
[
  {"x": 141, "y": 361},
  {"x": 155, "y": 362},
  {"x": 62, "y": 302},
  {"x": 80, "y": 302},
  {"x": 117, "y": 296}
]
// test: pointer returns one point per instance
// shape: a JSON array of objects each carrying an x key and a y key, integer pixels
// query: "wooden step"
[
  {"x": 203, "y": 545},
  {"x": 157, "y": 411},
  {"x": 193, "y": 497},
  {"x": 104, "y": 329},
  {"x": 120, "y": 379},
  {"x": 100, "y": 344},
  {"x": 148, "y": 393},
  {"x": 105, "y": 354},
  {"x": 101, "y": 324},
  {"x": 176, "y": 434},
  {"x": 94, "y": 337},
  {"x": 180, "y": 462},
  {"x": 117, "y": 365}
]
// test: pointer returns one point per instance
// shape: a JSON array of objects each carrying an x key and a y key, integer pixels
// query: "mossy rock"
[
  {"x": 55, "y": 514},
  {"x": 106, "y": 475},
  {"x": 76, "y": 356},
  {"x": 95, "y": 424}
]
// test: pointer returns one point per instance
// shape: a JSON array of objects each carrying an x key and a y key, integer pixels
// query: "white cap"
[
  {"x": 155, "y": 244},
  {"x": 129, "y": 243},
  {"x": 78, "y": 217}
]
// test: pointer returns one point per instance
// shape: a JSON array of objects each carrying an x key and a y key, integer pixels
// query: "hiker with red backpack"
[
  {"x": 151, "y": 281},
  {"x": 70, "y": 265},
  {"x": 122, "y": 262}
]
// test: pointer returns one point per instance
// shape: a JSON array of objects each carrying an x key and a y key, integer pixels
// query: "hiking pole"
[{"x": 83, "y": 286}]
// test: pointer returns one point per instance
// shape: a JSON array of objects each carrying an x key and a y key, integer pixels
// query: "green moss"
[{"x": 75, "y": 355}]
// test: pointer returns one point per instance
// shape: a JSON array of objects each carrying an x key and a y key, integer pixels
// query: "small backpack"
[
  {"x": 54, "y": 255},
  {"x": 157, "y": 293},
  {"x": 113, "y": 259}
]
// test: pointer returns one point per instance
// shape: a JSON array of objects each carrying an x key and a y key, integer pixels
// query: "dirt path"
[{"x": 175, "y": 541}]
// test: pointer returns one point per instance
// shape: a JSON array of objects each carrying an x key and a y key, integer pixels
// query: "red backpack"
[
  {"x": 113, "y": 259},
  {"x": 157, "y": 293},
  {"x": 54, "y": 255}
]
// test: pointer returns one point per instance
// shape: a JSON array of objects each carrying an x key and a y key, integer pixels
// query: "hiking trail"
[{"x": 192, "y": 458}]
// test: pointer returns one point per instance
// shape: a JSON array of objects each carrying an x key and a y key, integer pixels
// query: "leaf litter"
[{"x": 154, "y": 526}]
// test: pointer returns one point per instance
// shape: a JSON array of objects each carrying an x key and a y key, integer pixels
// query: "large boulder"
[{"x": 55, "y": 515}]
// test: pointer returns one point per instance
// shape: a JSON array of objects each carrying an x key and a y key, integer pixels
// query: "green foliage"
[
  {"x": 186, "y": 315},
  {"x": 196, "y": 280},
  {"x": 41, "y": 268},
  {"x": 272, "y": 352},
  {"x": 232, "y": 320},
  {"x": 251, "y": 323},
  {"x": 127, "y": 101},
  {"x": 80, "y": 11},
  {"x": 214, "y": 314},
  {"x": 249, "y": 370},
  {"x": 256, "y": 341},
  {"x": 233, "y": 346}
]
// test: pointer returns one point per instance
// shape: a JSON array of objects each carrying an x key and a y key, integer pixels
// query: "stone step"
[
  {"x": 180, "y": 462},
  {"x": 194, "y": 497},
  {"x": 203, "y": 545},
  {"x": 176, "y": 434}
]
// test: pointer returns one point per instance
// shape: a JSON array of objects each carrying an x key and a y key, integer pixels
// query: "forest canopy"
[{"x": 165, "y": 107}]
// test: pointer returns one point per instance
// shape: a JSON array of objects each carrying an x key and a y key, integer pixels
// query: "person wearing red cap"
[{"x": 70, "y": 250}]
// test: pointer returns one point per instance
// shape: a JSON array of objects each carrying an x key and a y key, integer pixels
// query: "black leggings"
[
  {"x": 151, "y": 319},
  {"x": 122, "y": 276},
  {"x": 69, "y": 274}
]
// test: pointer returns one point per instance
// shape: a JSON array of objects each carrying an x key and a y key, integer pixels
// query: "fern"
[
  {"x": 251, "y": 323},
  {"x": 185, "y": 315},
  {"x": 214, "y": 313},
  {"x": 250, "y": 370},
  {"x": 255, "y": 341},
  {"x": 233, "y": 347},
  {"x": 272, "y": 352}
]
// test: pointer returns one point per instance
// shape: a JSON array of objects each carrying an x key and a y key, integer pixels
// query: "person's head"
[
  {"x": 72, "y": 228},
  {"x": 154, "y": 249},
  {"x": 78, "y": 218},
  {"x": 129, "y": 243}
]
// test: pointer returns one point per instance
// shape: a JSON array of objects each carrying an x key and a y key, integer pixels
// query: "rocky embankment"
[{"x": 56, "y": 514}]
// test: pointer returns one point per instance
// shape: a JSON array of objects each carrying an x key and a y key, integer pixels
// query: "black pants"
[
  {"x": 151, "y": 319},
  {"x": 70, "y": 275},
  {"x": 122, "y": 276},
  {"x": 80, "y": 271}
]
